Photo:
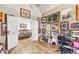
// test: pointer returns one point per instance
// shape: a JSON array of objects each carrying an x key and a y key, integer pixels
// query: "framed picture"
[
  {"x": 48, "y": 27},
  {"x": 23, "y": 26},
  {"x": 53, "y": 17},
  {"x": 74, "y": 25},
  {"x": 64, "y": 25},
  {"x": 43, "y": 19},
  {"x": 43, "y": 31},
  {"x": 67, "y": 14},
  {"x": 54, "y": 34},
  {"x": 55, "y": 26},
  {"x": 75, "y": 33},
  {"x": 64, "y": 28},
  {"x": 25, "y": 13},
  {"x": 3, "y": 29}
]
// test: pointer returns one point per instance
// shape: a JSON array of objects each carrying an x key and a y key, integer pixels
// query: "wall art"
[
  {"x": 44, "y": 19},
  {"x": 67, "y": 14},
  {"x": 55, "y": 34},
  {"x": 48, "y": 27},
  {"x": 25, "y": 13},
  {"x": 74, "y": 25},
  {"x": 55, "y": 26},
  {"x": 53, "y": 17}
]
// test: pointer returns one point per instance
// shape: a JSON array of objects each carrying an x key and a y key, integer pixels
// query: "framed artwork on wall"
[
  {"x": 54, "y": 34},
  {"x": 74, "y": 25},
  {"x": 48, "y": 27},
  {"x": 75, "y": 33},
  {"x": 67, "y": 14},
  {"x": 3, "y": 29},
  {"x": 23, "y": 26},
  {"x": 25, "y": 13},
  {"x": 64, "y": 25},
  {"x": 64, "y": 28},
  {"x": 53, "y": 17},
  {"x": 44, "y": 19},
  {"x": 55, "y": 26}
]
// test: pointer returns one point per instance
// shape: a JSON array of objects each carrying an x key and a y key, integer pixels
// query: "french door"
[{"x": 12, "y": 32}]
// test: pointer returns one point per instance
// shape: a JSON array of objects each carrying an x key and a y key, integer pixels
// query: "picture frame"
[
  {"x": 53, "y": 17},
  {"x": 75, "y": 32},
  {"x": 54, "y": 34},
  {"x": 64, "y": 28},
  {"x": 23, "y": 26},
  {"x": 44, "y": 19},
  {"x": 55, "y": 26},
  {"x": 3, "y": 29},
  {"x": 67, "y": 14},
  {"x": 64, "y": 25},
  {"x": 43, "y": 31},
  {"x": 25, "y": 13},
  {"x": 47, "y": 27},
  {"x": 74, "y": 25}
]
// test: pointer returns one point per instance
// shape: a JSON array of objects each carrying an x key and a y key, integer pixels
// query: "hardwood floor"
[{"x": 26, "y": 46}]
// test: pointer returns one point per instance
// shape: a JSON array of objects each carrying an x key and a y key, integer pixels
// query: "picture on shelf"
[
  {"x": 67, "y": 14},
  {"x": 23, "y": 26},
  {"x": 76, "y": 33},
  {"x": 64, "y": 25},
  {"x": 54, "y": 34},
  {"x": 55, "y": 26},
  {"x": 64, "y": 28},
  {"x": 74, "y": 26}
]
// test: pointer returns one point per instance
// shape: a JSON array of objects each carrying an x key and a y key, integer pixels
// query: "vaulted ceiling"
[{"x": 45, "y": 7}]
